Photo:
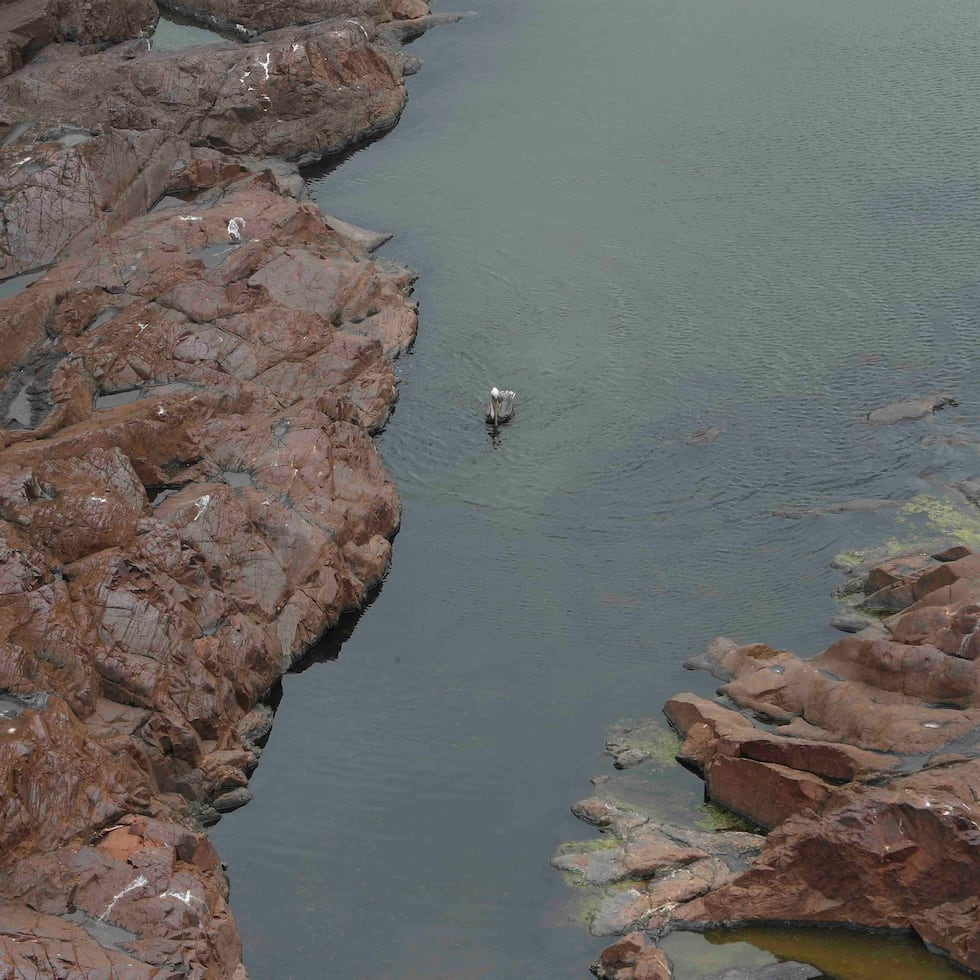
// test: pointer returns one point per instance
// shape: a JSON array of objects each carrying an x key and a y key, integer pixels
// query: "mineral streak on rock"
[
  {"x": 863, "y": 762},
  {"x": 189, "y": 494}
]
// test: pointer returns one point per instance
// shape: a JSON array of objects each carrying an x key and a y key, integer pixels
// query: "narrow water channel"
[{"x": 649, "y": 218}]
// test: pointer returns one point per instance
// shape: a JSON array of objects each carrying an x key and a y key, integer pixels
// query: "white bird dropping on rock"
[{"x": 235, "y": 228}]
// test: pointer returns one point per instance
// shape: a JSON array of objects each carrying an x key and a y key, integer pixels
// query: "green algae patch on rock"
[
  {"x": 851, "y": 559},
  {"x": 648, "y": 740},
  {"x": 945, "y": 516},
  {"x": 585, "y": 846},
  {"x": 591, "y": 863},
  {"x": 711, "y": 816}
]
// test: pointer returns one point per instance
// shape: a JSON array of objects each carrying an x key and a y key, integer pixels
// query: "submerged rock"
[
  {"x": 633, "y": 742},
  {"x": 848, "y": 507},
  {"x": 705, "y": 436},
  {"x": 774, "y": 971},
  {"x": 909, "y": 409}
]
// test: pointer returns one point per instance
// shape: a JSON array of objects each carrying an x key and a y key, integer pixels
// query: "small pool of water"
[
  {"x": 839, "y": 953},
  {"x": 15, "y": 285},
  {"x": 174, "y": 31}
]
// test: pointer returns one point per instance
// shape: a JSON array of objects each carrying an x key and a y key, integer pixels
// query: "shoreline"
[
  {"x": 856, "y": 769},
  {"x": 190, "y": 494}
]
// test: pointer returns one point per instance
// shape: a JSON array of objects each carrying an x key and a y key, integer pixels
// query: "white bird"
[
  {"x": 501, "y": 407},
  {"x": 235, "y": 228}
]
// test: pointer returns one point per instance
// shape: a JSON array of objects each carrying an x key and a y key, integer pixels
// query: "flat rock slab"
[{"x": 591, "y": 862}]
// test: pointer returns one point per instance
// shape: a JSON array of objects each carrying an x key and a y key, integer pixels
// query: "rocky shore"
[
  {"x": 194, "y": 359},
  {"x": 859, "y": 768}
]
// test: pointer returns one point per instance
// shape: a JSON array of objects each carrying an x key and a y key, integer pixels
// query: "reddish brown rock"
[
  {"x": 895, "y": 570},
  {"x": 135, "y": 115},
  {"x": 764, "y": 793},
  {"x": 189, "y": 494},
  {"x": 300, "y": 94},
  {"x": 919, "y": 582},
  {"x": 711, "y": 729},
  {"x": 947, "y": 619},
  {"x": 650, "y": 851},
  {"x": 809, "y": 700},
  {"x": 884, "y": 857},
  {"x": 71, "y": 185},
  {"x": 36, "y": 945},
  {"x": 158, "y": 887},
  {"x": 852, "y": 841},
  {"x": 951, "y": 553},
  {"x": 58, "y": 781},
  {"x": 919, "y": 671},
  {"x": 686, "y": 710},
  {"x": 242, "y": 17},
  {"x": 834, "y": 761},
  {"x": 171, "y": 554},
  {"x": 634, "y": 957},
  {"x": 26, "y": 26}
]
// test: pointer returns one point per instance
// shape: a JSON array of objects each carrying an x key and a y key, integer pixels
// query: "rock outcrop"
[
  {"x": 862, "y": 762},
  {"x": 138, "y": 117},
  {"x": 189, "y": 492},
  {"x": 190, "y": 498},
  {"x": 26, "y": 26},
  {"x": 246, "y": 18}
]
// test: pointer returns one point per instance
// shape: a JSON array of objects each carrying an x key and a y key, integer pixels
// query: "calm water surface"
[
  {"x": 173, "y": 31},
  {"x": 648, "y": 217}
]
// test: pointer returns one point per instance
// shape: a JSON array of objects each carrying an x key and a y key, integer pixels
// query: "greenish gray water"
[
  {"x": 17, "y": 284},
  {"x": 648, "y": 218},
  {"x": 173, "y": 31}
]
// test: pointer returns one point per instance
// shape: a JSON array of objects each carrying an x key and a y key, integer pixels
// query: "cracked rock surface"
[{"x": 189, "y": 491}]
